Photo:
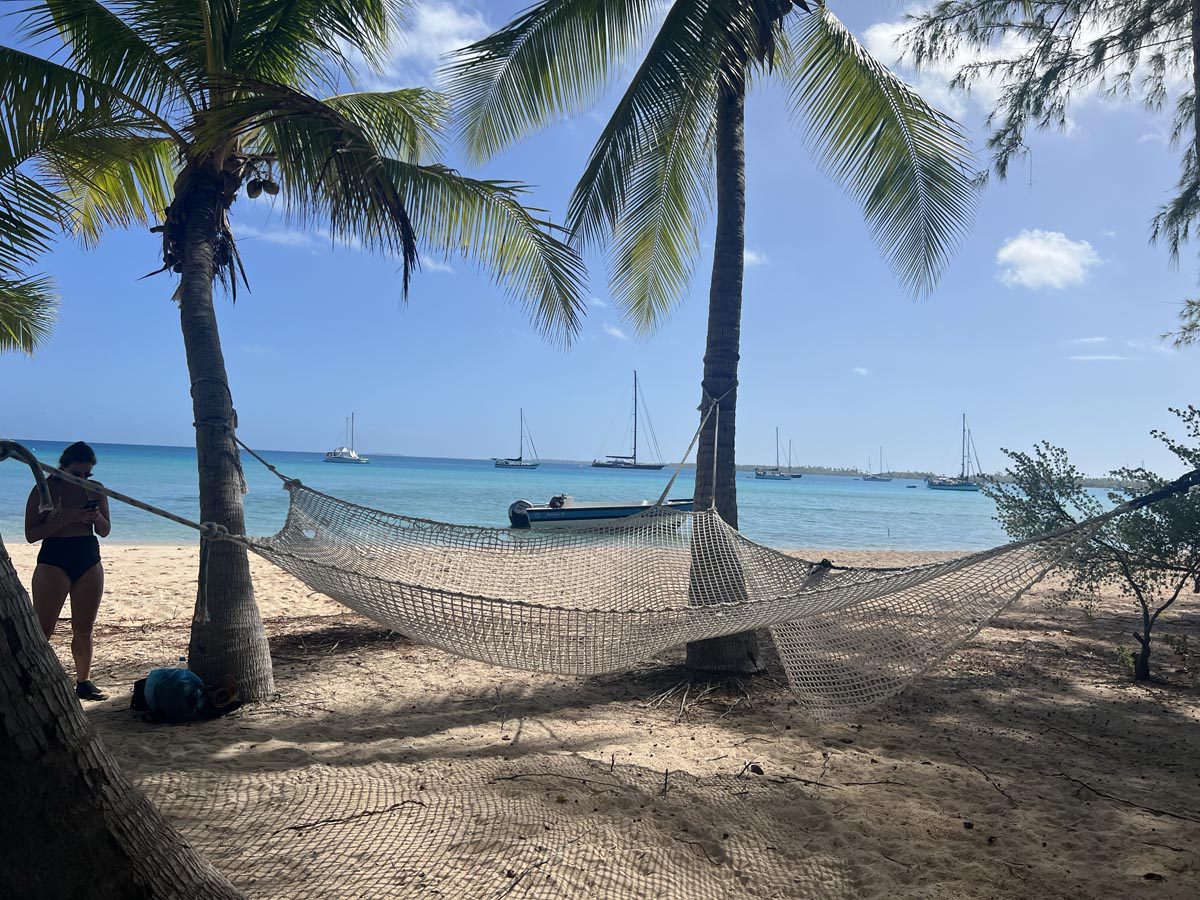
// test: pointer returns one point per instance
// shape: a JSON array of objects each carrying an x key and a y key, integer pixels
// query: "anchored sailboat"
[
  {"x": 966, "y": 479},
  {"x": 878, "y": 476},
  {"x": 346, "y": 454},
  {"x": 612, "y": 461},
  {"x": 519, "y": 461},
  {"x": 773, "y": 473}
]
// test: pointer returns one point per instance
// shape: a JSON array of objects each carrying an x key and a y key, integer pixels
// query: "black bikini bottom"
[{"x": 74, "y": 555}]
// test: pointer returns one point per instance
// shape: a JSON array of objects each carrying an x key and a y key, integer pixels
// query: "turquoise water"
[{"x": 817, "y": 511}]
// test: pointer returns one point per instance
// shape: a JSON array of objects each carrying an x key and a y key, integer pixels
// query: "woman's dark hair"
[{"x": 78, "y": 452}]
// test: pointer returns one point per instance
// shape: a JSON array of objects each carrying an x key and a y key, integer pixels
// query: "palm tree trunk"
[
  {"x": 74, "y": 826},
  {"x": 228, "y": 637},
  {"x": 716, "y": 484}
]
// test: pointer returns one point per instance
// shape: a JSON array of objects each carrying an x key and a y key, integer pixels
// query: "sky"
[{"x": 1045, "y": 326}]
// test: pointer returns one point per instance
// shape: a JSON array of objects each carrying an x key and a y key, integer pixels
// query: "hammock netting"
[{"x": 585, "y": 601}]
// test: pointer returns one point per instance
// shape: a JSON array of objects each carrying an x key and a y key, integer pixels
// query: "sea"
[{"x": 817, "y": 511}]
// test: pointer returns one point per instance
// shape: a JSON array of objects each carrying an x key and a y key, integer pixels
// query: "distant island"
[{"x": 852, "y": 472}]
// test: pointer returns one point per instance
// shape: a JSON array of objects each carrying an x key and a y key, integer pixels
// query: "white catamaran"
[
  {"x": 346, "y": 454},
  {"x": 519, "y": 461},
  {"x": 612, "y": 461}
]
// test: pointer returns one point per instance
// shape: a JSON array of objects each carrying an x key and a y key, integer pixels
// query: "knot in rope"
[
  {"x": 710, "y": 401},
  {"x": 213, "y": 531}
]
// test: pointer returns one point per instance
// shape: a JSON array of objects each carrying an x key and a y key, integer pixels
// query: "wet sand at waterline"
[{"x": 1028, "y": 764}]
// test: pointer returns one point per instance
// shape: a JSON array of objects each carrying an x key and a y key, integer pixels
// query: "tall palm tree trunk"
[
  {"x": 228, "y": 637},
  {"x": 74, "y": 826},
  {"x": 738, "y": 653}
]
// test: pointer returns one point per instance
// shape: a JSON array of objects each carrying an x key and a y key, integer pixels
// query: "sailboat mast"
[
  {"x": 351, "y": 431},
  {"x": 635, "y": 393},
  {"x": 521, "y": 437},
  {"x": 777, "y": 447},
  {"x": 963, "y": 470}
]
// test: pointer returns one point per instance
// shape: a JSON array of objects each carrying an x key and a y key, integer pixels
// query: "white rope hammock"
[{"x": 601, "y": 599}]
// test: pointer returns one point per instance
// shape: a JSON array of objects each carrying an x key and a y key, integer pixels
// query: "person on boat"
[{"x": 69, "y": 560}]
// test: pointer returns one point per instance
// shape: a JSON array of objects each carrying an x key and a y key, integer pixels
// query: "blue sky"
[{"x": 1044, "y": 327}]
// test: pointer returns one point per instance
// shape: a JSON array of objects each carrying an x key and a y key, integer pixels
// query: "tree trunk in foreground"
[
  {"x": 738, "y": 653},
  {"x": 228, "y": 637},
  {"x": 73, "y": 825}
]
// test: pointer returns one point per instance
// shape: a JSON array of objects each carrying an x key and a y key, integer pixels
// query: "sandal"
[{"x": 86, "y": 690}]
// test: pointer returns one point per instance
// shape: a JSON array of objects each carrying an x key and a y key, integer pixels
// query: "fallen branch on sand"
[
  {"x": 341, "y": 820},
  {"x": 1185, "y": 817}
]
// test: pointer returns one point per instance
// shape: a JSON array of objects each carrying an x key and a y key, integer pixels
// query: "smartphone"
[{"x": 92, "y": 504}]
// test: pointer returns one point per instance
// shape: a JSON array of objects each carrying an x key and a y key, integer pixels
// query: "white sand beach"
[{"x": 1029, "y": 764}]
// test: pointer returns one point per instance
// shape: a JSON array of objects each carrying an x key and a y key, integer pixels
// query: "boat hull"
[
  {"x": 514, "y": 464},
  {"x": 645, "y": 467},
  {"x": 966, "y": 486},
  {"x": 361, "y": 461},
  {"x": 522, "y": 514}
]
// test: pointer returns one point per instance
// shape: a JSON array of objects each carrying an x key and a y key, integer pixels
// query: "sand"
[{"x": 1029, "y": 764}]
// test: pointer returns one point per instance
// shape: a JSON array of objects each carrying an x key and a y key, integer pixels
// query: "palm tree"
[
  {"x": 161, "y": 112},
  {"x": 83, "y": 829},
  {"x": 678, "y": 130}
]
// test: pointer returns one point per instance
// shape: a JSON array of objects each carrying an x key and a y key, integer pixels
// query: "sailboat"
[
  {"x": 612, "y": 461},
  {"x": 879, "y": 476},
  {"x": 519, "y": 461},
  {"x": 346, "y": 454},
  {"x": 773, "y": 473},
  {"x": 965, "y": 480}
]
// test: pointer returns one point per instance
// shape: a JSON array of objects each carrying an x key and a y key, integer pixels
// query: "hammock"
[
  {"x": 586, "y": 601},
  {"x": 602, "y": 599}
]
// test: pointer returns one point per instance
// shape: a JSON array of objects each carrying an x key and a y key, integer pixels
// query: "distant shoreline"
[{"x": 1089, "y": 481}]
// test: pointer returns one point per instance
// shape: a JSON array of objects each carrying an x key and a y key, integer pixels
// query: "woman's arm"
[
  {"x": 103, "y": 523},
  {"x": 40, "y": 525}
]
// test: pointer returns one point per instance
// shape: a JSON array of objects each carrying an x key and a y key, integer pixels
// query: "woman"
[{"x": 69, "y": 561}]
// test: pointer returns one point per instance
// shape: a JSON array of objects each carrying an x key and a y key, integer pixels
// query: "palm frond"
[
  {"x": 331, "y": 172},
  {"x": 484, "y": 221},
  {"x": 907, "y": 163},
  {"x": 549, "y": 63},
  {"x": 306, "y": 42},
  {"x": 111, "y": 50},
  {"x": 112, "y": 180},
  {"x": 336, "y": 177},
  {"x": 648, "y": 180},
  {"x": 405, "y": 123},
  {"x": 27, "y": 311}
]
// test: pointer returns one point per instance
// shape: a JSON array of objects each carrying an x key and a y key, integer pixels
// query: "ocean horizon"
[{"x": 817, "y": 511}]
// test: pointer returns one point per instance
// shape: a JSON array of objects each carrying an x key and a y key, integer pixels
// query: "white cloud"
[
  {"x": 1045, "y": 259},
  {"x": 754, "y": 257},
  {"x": 1088, "y": 340},
  {"x": 614, "y": 332},
  {"x": 284, "y": 237},
  {"x": 1148, "y": 345},
  {"x": 1100, "y": 357},
  {"x": 885, "y": 41},
  {"x": 1156, "y": 137},
  {"x": 859, "y": 370},
  {"x": 597, "y": 302},
  {"x": 1109, "y": 233},
  {"x": 436, "y": 265},
  {"x": 316, "y": 241},
  {"x": 434, "y": 29}
]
